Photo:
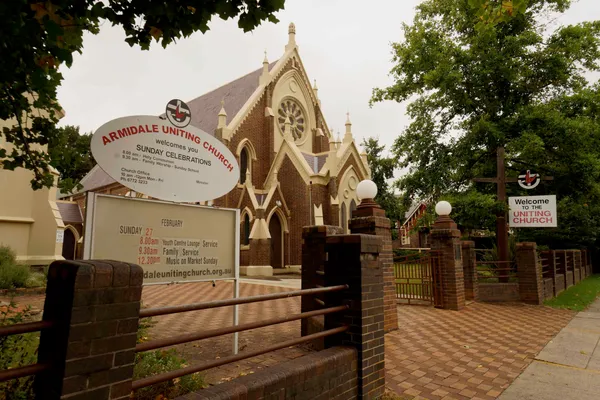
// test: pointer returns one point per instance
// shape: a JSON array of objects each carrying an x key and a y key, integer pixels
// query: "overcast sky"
[{"x": 344, "y": 45}]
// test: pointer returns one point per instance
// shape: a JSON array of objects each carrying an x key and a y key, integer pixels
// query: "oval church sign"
[{"x": 154, "y": 157}]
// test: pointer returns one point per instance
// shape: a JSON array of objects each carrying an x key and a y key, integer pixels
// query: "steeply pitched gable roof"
[{"x": 205, "y": 109}]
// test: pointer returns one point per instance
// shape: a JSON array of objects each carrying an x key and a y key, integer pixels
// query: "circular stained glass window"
[{"x": 292, "y": 110}]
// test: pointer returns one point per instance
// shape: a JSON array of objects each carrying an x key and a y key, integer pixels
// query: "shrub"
[
  {"x": 17, "y": 351},
  {"x": 158, "y": 362},
  {"x": 14, "y": 275}
]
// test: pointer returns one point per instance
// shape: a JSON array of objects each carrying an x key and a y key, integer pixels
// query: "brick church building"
[{"x": 294, "y": 171}]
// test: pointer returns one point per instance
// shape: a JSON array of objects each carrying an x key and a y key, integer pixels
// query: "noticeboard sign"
[
  {"x": 166, "y": 159},
  {"x": 171, "y": 242},
  {"x": 532, "y": 212}
]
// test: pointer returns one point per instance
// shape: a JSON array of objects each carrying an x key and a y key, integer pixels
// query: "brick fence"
[
  {"x": 95, "y": 307},
  {"x": 540, "y": 275}
]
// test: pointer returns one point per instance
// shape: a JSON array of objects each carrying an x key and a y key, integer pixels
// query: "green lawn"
[{"x": 577, "y": 297}]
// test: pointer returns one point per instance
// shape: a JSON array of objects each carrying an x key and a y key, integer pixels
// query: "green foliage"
[
  {"x": 71, "y": 155},
  {"x": 516, "y": 84},
  {"x": 494, "y": 12},
  {"x": 578, "y": 297},
  {"x": 36, "y": 38},
  {"x": 17, "y": 351},
  {"x": 472, "y": 210},
  {"x": 382, "y": 170},
  {"x": 161, "y": 361},
  {"x": 12, "y": 275}
]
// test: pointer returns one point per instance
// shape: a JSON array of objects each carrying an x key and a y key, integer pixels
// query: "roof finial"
[
  {"x": 222, "y": 116},
  {"x": 348, "y": 135},
  {"x": 291, "y": 37},
  {"x": 316, "y": 92},
  {"x": 264, "y": 77}
]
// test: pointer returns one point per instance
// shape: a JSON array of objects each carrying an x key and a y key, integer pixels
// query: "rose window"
[{"x": 292, "y": 110}]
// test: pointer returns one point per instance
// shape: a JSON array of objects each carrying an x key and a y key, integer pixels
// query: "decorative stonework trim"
[
  {"x": 260, "y": 229},
  {"x": 282, "y": 218},
  {"x": 350, "y": 149},
  {"x": 18, "y": 220},
  {"x": 245, "y": 211},
  {"x": 246, "y": 143}
]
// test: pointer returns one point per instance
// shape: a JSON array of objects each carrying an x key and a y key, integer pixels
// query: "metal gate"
[{"x": 417, "y": 278}]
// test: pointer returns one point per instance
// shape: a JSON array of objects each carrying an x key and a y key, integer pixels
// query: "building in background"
[
  {"x": 294, "y": 171},
  {"x": 30, "y": 221}
]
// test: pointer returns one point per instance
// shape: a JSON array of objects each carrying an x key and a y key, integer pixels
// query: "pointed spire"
[
  {"x": 348, "y": 136},
  {"x": 248, "y": 178},
  {"x": 316, "y": 92},
  {"x": 291, "y": 37},
  {"x": 275, "y": 175},
  {"x": 264, "y": 77},
  {"x": 222, "y": 116}
]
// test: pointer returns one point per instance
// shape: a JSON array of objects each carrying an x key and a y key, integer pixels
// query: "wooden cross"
[{"x": 501, "y": 180}]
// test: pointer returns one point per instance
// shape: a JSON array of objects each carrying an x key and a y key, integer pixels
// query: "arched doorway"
[
  {"x": 69, "y": 244},
  {"x": 276, "y": 231}
]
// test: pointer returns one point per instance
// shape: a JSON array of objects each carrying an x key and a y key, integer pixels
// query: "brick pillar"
[
  {"x": 354, "y": 260},
  {"x": 95, "y": 305},
  {"x": 553, "y": 272},
  {"x": 579, "y": 274},
  {"x": 470, "y": 270},
  {"x": 313, "y": 271},
  {"x": 260, "y": 259},
  {"x": 370, "y": 219},
  {"x": 445, "y": 243},
  {"x": 529, "y": 270},
  {"x": 561, "y": 265}
]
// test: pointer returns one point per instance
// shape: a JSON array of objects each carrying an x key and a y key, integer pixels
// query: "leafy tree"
[
  {"x": 70, "y": 154},
  {"x": 36, "y": 37},
  {"x": 515, "y": 84},
  {"x": 382, "y": 170}
]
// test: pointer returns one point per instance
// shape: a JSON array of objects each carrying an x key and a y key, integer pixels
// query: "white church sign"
[
  {"x": 165, "y": 159},
  {"x": 532, "y": 212}
]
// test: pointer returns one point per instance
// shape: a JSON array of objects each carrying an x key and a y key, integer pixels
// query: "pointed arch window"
[
  {"x": 352, "y": 208},
  {"x": 243, "y": 165},
  {"x": 246, "y": 230}
]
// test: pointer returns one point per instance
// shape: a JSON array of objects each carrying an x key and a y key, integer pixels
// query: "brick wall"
[
  {"x": 328, "y": 374},
  {"x": 296, "y": 196},
  {"x": 529, "y": 271},
  {"x": 380, "y": 227},
  {"x": 548, "y": 288},
  {"x": 499, "y": 292},
  {"x": 569, "y": 279},
  {"x": 445, "y": 242},
  {"x": 560, "y": 283},
  {"x": 95, "y": 306}
]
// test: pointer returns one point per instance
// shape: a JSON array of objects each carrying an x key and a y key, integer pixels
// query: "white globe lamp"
[
  {"x": 366, "y": 189},
  {"x": 443, "y": 208}
]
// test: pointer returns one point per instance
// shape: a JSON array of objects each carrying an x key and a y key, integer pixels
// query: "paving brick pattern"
[
  {"x": 198, "y": 321},
  {"x": 474, "y": 353}
]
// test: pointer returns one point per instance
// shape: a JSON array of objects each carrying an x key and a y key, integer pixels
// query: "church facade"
[{"x": 293, "y": 171}]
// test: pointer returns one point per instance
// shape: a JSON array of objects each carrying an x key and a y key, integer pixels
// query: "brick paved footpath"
[
  {"x": 470, "y": 354},
  {"x": 436, "y": 354}
]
